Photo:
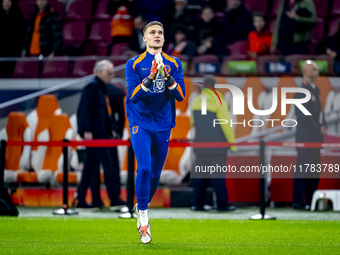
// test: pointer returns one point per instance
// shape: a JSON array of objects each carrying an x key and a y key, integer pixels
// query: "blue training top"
[{"x": 155, "y": 109}]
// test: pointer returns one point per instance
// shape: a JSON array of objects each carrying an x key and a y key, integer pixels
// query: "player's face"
[{"x": 154, "y": 37}]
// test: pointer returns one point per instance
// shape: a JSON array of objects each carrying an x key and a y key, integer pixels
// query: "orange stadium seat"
[
  {"x": 17, "y": 157},
  {"x": 184, "y": 104},
  {"x": 39, "y": 119},
  {"x": 257, "y": 86},
  {"x": 171, "y": 172},
  {"x": 326, "y": 91},
  {"x": 286, "y": 81}
]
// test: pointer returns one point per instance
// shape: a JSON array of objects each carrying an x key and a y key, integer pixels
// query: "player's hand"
[
  {"x": 147, "y": 82},
  {"x": 324, "y": 130},
  {"x": 154, "y": 70}
]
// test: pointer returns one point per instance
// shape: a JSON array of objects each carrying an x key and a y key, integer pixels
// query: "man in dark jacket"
[
  {"x": 96, "y": 120},
  {"x": 310, "y": 128},
  {"x": 237, "y": 23},
  {"x": 44, "y": 33}
]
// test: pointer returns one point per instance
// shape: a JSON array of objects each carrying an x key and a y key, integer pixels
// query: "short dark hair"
[
  {"x": 152, "y": 23},
  {"x": 258, "y": 14}
]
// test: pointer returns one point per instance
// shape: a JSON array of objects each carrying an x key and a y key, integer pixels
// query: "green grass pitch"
[{"x": 61, "y": 235}]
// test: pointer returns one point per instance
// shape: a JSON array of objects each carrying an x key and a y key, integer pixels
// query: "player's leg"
[
  {"x": 141, "y": 143},
  {"x": 159, "y": 151}
]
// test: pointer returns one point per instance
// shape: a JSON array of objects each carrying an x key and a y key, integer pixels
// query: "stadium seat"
[
  {"x": 261, "y": 61},
  {"x": 101, "y": 11},
  {"x": 185, "y": 63},
  {"x": 321, "y": 7},
  {"x": 39, "y": 118},
  {"x": 238, "y": 47},
  {"x": 55, "y": 68},
  {"x": 295, "y": 62},
  {"x": 257, "y": 6},
  {"x": 184, "y": 104},
  {"x": 27, "y": 8},
  {"x": 100, "y": 31},
  {"x": 26, "y": 69},
  {"x": 318, "y": 30},
  {"x": 95, "y": 48},
  {"x": 333, "y": 26},
  {"x": 335, "y": 8},
  {"x": 286, "y": 81},
  {"x": 80, "y": 10},
  {"x": 171, "y": 173},
  {"x": 327, "y": 93},
  {"x": 17, "y": 157},
  {"x": 58, "y": 130},
  {"x": 205, "y": 64},
  {"x": 83, "y": 68},
  {"x": 235, "y": 57},
  {"x": 258, "y": 89},
  {"x": 73, "y": 36},
  {"x": 325, "y": 195},
  {"x": 118, "y": 49}
]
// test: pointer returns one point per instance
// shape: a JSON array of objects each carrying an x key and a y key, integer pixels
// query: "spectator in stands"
[
  {"x": 121, "y": 25},
  {"x": 310, "y": 128},
  {"x": 44, "y": 33},
  {"x": 115, "y": 4},
  {"x": 204, "y": 132},
  {"x": 237, "y": 23},
  {"x": 259, "y": 40},
  {"x": 208, "y": 21},
  {"x": 96, "y": 121},
  {"x": 211, "y": 45},
  {"x": 12, "y": 30},
  {"x": 182, "y": 16},
  {"x": 294, "y": 23},
  {"x": 137, "y": 45},
  {"x": 181, "y": 45},
  {"x": 156, "y": 10}
]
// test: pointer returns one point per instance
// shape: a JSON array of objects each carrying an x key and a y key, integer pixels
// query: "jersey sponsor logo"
[
  {"x": 158, "y": 86},
  {"x": 134, "y": 129},
  {"x": 145, "y": 68}
]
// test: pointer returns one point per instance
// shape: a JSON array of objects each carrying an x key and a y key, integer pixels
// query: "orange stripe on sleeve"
[
  {"x": 180, "y": 90},
  {"x": 135, "y": 91}
]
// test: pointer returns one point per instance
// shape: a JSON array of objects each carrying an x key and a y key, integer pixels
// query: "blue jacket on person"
[{"x": 154, "y": 110}]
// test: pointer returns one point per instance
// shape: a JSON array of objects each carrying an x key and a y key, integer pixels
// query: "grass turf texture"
[{"x": 117, "y": 236}]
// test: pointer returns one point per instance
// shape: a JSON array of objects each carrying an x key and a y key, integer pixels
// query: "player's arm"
[
  {"x": 175, "y": 82},
  {"x": 137, "y": 88}
]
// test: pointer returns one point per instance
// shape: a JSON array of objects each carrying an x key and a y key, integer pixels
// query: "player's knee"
[{"x": 144, "y": 172}]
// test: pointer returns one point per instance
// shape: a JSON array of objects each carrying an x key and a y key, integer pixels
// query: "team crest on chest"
[
  {"x": 135, "y": 129},
  {"x": 158, "y": 86}
]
